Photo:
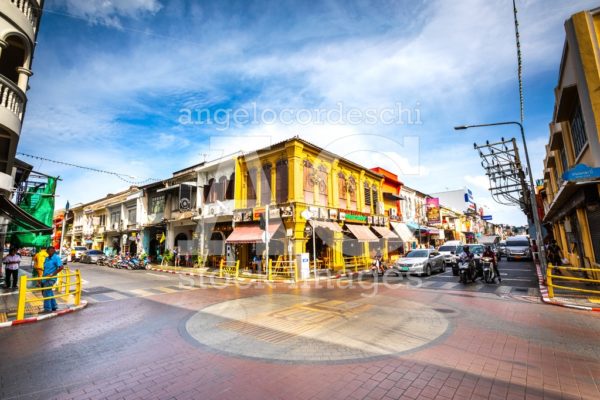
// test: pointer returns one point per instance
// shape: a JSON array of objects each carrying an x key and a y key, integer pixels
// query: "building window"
[
  {"x": 210, "y": 191},
  {"x": 157, "y": 204},
  {"x": 131, "y": 216},
  {"x": 342, "y": 190},
  {"x": 222, "y": 192},
  {"x": 578, "y": 131},
  {"x": 115, "y": 218},
  {"x": 102, "y": 220},
  {"x": 250, "y": 187},
  {"x": 230, "y": 187},
  {"x": 265, "y": 185},
  {"x": 367, "y": 194},
  {"x": 281, "y": 181},
  {"x": 374, "y": 198},
  {"x": 563, "y": 160},
  {"x": 322, "y": 182},
  {"x": 352, "y": 190},
  {"x": 309, "y": 183}
]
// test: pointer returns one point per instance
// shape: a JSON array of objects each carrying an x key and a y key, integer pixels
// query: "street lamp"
[{"x": 534, "y": 212}]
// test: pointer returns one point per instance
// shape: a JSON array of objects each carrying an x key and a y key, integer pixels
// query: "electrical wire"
[{"x": 100, "y": 171}]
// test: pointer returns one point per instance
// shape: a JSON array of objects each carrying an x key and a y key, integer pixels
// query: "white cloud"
[{"x": 110, "y": 12}]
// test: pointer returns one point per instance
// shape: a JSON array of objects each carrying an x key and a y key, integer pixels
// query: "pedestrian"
[
  {"x": 52, "y": 266},
  {"x": 176, "y": 255},
  {"x": 555, "y": 256},
  {"x": 11, "y": 269},
  {"x": 38, "y": 262}
]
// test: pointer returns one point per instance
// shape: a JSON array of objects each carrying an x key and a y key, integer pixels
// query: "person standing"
[
  {"x": 52, "y": 266},
  {"x": 11, "y": 269},
  {"x": 38, "y": 262}
]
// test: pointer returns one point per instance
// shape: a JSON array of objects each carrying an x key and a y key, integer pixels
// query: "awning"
[
  {"x": 21, "y": 218},
  {"x": 492, "y": 239},
  {"x": 362, "y": 233},
  {"x": 392, "y": 196},
  {"x": 332, "y": 226},
  {"x": 249, "y": 233},
  {"x": 403, "y": 231},
  {"x": 165, "y": 189},
  {"x": 433, "y": 231},
  {"x": 417, "y": 227},
  {"x": 385, "y": 233}
]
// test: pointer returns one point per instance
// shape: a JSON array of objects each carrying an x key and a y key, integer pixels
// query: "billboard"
[{"x": 433, "y": 210}]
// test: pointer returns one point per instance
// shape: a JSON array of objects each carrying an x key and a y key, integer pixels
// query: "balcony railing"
[
  {"x": 11, "y": 97},
  {"x": 29, "y": 10}
]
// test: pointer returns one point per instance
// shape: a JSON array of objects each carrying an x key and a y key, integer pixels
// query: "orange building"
[{"x": 391, "y": 201}]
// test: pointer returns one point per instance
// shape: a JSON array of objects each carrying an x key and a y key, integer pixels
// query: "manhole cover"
[{"x": 299, "y": 328}]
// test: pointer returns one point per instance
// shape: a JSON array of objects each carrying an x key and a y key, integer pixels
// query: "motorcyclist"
[
  {"x": 378, "y": 262},
  {"x": 490, "y": 254},
  {"x": 467, "y": 256}
]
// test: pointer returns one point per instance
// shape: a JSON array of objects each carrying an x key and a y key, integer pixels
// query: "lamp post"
[{"x": 534, "y": 212}]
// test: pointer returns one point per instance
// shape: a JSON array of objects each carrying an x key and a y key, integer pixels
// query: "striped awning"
[
  {"x": 403, "y": 231},
  {"x": 332, "y": 226},
  {"x": 385, "y": 233},
  {"x": 362, "y": 233},
  {"x": 249, "y": 234}
]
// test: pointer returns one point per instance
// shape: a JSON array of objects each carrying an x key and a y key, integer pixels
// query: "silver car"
[
  {"x": 91, "y": 256},
  {"x": 517, "y": 248},
  {"x": 420, "y": 261}
]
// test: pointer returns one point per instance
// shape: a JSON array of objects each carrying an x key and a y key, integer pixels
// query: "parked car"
[
  {"x": 518, "y": 247},
  {"x": 77, "y": 252},
  {"x": 501, "y": 249},
  {"x": 92, "y": 256},
  {"x": 420, "y": 261},
  {"x": 26, "y": 252},
  {"x": 449, "y": 250}
]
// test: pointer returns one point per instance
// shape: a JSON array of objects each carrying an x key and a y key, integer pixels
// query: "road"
[{"x": 146, "y": 335}]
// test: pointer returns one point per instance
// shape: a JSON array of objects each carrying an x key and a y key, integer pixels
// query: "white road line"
[
  {"x": 159, "y": 276},
  {"x": 518, "y": 279}
]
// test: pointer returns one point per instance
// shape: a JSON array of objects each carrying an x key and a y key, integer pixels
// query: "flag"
[{"x": 162, "y": 238}]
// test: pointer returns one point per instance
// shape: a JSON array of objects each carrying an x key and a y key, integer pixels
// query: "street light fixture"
[{"x": 534, "y": 213}]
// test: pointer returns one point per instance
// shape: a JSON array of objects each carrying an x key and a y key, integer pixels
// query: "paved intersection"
[{"x": 353, "y": 339}]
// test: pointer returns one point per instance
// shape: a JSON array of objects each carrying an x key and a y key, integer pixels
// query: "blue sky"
[{"x": 114, "y": 80}]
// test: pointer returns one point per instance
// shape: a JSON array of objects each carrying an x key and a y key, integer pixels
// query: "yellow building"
[
  {"x": 572, "y": 163},
  {"x": 306, "y": 187}
]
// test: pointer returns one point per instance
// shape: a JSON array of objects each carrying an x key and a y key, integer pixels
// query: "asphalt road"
[{"x": 146, "y": 335}]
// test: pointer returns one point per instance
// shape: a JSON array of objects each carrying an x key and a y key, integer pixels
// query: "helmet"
[
  {"x": 466, "y": 248},
  {"x": 488, "y": 248}
]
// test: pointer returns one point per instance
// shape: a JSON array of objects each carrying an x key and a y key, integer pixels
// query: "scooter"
[
  {"x": 489, "y": 275},
  {"x": 377, "y": 267},
  {"x": 466, "y": 271}
]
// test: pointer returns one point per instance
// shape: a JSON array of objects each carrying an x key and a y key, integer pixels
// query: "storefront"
[
  {"x": 248, "y": 244},
  {"x": 406, "y": 236}
]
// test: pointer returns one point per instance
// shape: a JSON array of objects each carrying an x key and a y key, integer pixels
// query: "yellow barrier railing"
[
  {"x": 63, "y": 284},
  {"x": 231, "y": 268},
  {"x": 355, "y": 263},
  {"x": 283, "y": 268},
  {"x": 551, "y": 285}
]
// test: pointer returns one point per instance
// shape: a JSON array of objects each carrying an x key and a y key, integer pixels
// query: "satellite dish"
[{"x": 307, "y": 215}]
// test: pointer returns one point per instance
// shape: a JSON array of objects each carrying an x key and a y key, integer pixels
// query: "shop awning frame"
[
  {"x": 403, "y": 231},
  {"x": 22, "y": 218},
  {"x": 385, "y": 232},
  {"x": 245, "y": 234},
  {"x": 362, "y": 233},
  {"x": 332, "y": 226}
]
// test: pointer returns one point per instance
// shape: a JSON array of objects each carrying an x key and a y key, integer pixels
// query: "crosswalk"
[
  {"x": 104, "y": 294},
  {"x": 480, "y": 287}
]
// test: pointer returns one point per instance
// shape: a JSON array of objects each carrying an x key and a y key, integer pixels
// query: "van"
[{"x": 518, "y": 247}]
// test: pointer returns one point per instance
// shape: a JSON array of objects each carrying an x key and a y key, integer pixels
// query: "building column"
[
  {"x": 24, "y": 74},
  {"x": 338, "y": 250}
]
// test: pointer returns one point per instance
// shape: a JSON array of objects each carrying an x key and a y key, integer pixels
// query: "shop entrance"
[{"x": 323, "y": 247}]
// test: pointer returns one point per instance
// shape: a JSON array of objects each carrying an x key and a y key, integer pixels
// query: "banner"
[{"x": 433, "y": 210}]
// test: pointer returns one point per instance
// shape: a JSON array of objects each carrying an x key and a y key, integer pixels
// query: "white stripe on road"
[
  {"x": 518, "y": 279},
  {"x": 159, "y": 276}
]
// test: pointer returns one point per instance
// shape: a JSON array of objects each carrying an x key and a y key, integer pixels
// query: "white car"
[
  {"x": 450, "y": 251},
  {"x": 79, "y": 252},
  {"x": 420, "y": 261}
]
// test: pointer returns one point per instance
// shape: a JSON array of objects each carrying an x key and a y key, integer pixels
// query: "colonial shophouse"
[{"x": 306, "y": 187}]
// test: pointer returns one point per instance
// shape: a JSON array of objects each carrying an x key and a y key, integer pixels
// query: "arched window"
[
  {"x": 342, "y": 190},
  {"x": 222, "y": 188},
  {"x": 367, "y": 192},
  {"x": 250, "y": 187},
  {"x": 352, "y": 190},
  {"x": 208, "y": 191},
  {"x": 323, "y": 186},
  {"x": 309, "y": 182},
  {"x": 281, "y": 181},
  {"x": 230, "y": 188},
  {"x": 265, "y": 185},
  {"x": 13, "y": 57}
]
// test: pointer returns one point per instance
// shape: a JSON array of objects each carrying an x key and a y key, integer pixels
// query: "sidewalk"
[{"x": 567, "y": 298}]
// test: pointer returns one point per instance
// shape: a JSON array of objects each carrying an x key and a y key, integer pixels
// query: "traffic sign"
[{"x": 486, "y": 217}]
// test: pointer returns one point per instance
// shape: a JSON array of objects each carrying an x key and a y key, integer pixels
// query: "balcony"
[
  {"x": 29, "y": 10},
  {"x": 12, "y": 103}
]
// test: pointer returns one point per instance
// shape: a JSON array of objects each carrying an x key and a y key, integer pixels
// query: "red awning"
[
  {"x": 249, "y": 233},
  {"x": 385, "y": 233},
  {"x": 362, "y": 233},
  {"x": 332, "y": 226}
]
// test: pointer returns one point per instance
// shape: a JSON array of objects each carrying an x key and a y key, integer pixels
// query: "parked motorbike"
[
  {"x": 466, "y": 271},
  {"x": 489, "y": 275},
  {"x": 377, "y": 267}
]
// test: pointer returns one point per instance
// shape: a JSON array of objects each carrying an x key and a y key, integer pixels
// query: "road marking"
[
  {"x": 142, "y": 292},
  {"x": 448, "y": 285},
  {"x": 519, "y": 279},
  {"x": 503, "y": 289},
  {"x": 167, "y": 290},
  {"x": 160, "y": 276},
  {"x": 116, "y": 295}
]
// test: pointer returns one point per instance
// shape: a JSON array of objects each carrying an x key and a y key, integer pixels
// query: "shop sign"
[
  {"x": 333, "y": 214},
  {"x": 257, "y": 212},
  {"x": 369, "y": 220},
  {"x": 352, "y": 217},
  {"x": 342, "y": 216},
  {"x": 433, "y": 210},
  {"x": 581, "y": 172},
  {"x": 287, "y": 212}
]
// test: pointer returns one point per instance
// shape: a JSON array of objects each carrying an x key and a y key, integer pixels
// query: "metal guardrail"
[
  {"x": 231, "y": 268},
  {"x": 63, "y": 284},
  {"x": 550, "y": 277},
  {"x": 283, "y": 268},
  {"x": 355, "y": 263}
]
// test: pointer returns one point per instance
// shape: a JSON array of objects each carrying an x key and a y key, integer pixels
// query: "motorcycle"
[
  {"x": 466, "y": 271},
  {"x": 377, "y": 267},
  {"x": 489, "y": 275}
]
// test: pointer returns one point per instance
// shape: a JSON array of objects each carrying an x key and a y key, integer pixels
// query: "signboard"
[
  {"x": 581, "y": 172},
  {"x": 333, "y": 214},
  {"x": 342, "y": 216},
  {"x": 303, "y": 262},
  {"x": 433, "y": 210},
  {"x": 352, "y": 217},
  {"x": 486, "y": 217}
]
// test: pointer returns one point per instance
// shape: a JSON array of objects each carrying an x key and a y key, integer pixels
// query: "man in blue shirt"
[{"x": 52, "y": 266}]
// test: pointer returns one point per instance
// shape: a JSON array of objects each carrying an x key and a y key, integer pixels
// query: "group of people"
[
  {"x": 46, "y": 264},
  {"x": 487, "y": 253}
]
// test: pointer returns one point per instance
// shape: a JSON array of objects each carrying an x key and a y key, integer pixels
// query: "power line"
[{"x": 122, "y": 177}]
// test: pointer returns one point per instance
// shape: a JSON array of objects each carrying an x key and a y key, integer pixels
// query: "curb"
[
  {"x": 227, "y": 278},
  {"x": 546, "y": 299},
  {"x": 45, "y": 316}
]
